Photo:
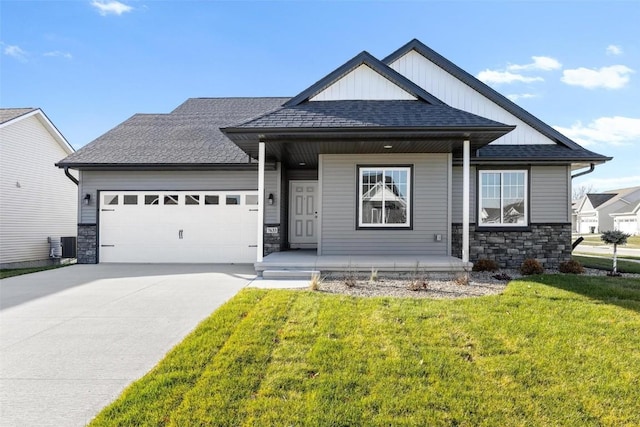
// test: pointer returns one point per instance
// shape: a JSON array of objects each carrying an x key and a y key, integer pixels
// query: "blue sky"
[{"x": 91, "y": 64}]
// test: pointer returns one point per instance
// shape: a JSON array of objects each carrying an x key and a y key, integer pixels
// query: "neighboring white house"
[
  {"x": 594, "y": 211},
  {"x": 627, "y": 218},
  {"x": 37, "y": 200}
]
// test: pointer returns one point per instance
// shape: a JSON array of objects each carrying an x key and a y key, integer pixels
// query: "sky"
[{"x": 91, "y": 64}]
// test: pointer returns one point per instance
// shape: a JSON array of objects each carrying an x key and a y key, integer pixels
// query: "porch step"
[{"x": 289, "y": 274}]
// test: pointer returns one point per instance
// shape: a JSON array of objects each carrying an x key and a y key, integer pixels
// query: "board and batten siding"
[
  {"x": 338, "y": 233},
  {"x": 457, "y": 94},
  {"x": 363, "y": 83},
  {"x": 92, "y": 181},
  {"x": 549, "y": 198},
  {"x": 37, "y": 200}
]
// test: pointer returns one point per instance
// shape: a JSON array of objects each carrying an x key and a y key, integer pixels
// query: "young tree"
[
  {"x": 580, "y": 191},
  {"x": 615, "y": 238}
]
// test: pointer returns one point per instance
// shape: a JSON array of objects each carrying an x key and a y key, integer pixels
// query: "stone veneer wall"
[
  {"x": 272, "y": 241},
  {"x": 87, "y": 244},
  {"x": 548, "y": 243}
]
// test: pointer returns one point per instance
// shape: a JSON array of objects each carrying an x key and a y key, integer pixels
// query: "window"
[
  {"x": 110, "y": 200},
  {"x": 384, "y": 196},
  {"x": 130, "y": 199},
  {"x": 151, "y": 199},
  {"x": 211, "y": 200},
  {"x": 192, "y": 199},
  {"x": 251, "y": 199},
  {"x": 503, "y": 198},
  {"x": 233, "y": 200},
  {"x": 171, "y": 199}
]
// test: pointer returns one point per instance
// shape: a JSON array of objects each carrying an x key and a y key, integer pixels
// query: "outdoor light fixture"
[
  {"x": 87, "y": 198},
  {"x": 270, "y": 198}
]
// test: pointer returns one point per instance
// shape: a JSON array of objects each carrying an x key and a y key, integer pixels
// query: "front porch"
[{"x": 295, "y": 262}]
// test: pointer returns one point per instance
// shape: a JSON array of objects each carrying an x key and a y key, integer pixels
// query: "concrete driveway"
[{"x": 73, "y": 338}]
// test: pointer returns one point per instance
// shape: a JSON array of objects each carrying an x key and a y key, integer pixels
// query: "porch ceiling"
[{"x": 298, "y": 148}]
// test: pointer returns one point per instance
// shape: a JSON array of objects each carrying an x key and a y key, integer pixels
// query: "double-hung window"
[
  {"x": 503, "y": 198},
  {"x": 384, "y": 196}
]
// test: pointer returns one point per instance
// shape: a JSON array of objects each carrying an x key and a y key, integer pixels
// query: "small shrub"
[
  {"x": 315, "y": 282},
  {"x": 417, "y": 285},
  {"x": 502, "y": 276},
  {"x": 485, "y": 264},
  {"x": 374, "y": 276},
  {"x": 572, "y": 267},
  {"x": 531, "y": 266},
  {"x": 350, "y": 280},
  {"x": 462, "y": 279}
]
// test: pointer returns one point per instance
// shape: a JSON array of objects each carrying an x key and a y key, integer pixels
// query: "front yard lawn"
[
  {"x": 11, "y": 272},
  {"x": 594, "y": 240},
  {"x": 551, "y": 350},
  {"x": 601, "y": 263}
]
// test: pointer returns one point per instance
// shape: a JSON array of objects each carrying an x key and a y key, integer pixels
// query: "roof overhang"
[
  {"x": 164, "y": 166},
  {"x": 301, "y": 146}
]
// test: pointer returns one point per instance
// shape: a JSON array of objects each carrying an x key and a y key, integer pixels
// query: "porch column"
[
  {"x": 465, "y": 199},
  {"x": 261, "y": 158}
]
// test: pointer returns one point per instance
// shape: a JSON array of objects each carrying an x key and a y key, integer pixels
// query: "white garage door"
[
  {"x": 178, "y": 226},
  {"x": 627, "y": 225}
]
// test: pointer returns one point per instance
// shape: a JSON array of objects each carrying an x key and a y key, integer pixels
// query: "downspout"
[
  {"x": 591, "y": 169},
  {"x": 71, "y": 177}
]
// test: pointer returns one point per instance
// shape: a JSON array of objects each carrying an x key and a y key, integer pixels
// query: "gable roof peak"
[
  {"x": 376, "y": 65},
  {"x": 482, "y": 88}
]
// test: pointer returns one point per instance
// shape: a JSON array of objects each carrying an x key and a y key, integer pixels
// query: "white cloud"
[
  {"x": 15, "y": 52},
  {"x": 613, "y": 49},
  {"x": 613, "y": 77},
  {"x": 515, "y": 96},
  {"x": 498, "y": 77},
  {"x": 112, "y": 7},
  {"x": 605, "y": 184},
  {"x": 57, "y": 53},
  {"x": 604, "y": 130},
  {"x": 544, "y": 63}
]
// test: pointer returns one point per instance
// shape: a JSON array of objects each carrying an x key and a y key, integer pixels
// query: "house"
[
  {"x": 37, "y": 200},
  {"x": 594, "y": 211},
  {"x": 627, "y": 219},
  {"x": 408, "y": 156}
]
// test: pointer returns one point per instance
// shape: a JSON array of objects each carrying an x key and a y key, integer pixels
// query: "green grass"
[
  {"x": 607, "y": 264},
  {"x": 10, "y": 272},
  {"x": 633, "y": 242},
  {"x": 551, "y": 350}
]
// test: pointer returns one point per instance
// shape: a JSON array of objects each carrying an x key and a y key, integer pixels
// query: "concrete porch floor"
[{"x": 310, "y": 260}]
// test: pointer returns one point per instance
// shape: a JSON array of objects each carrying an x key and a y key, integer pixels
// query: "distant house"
[
  {"x": 594, "y": 211},
  {"x": 37, "y": 200},
  {"x": 408, "y": 156},
  {"x": 627, "y": 219}
]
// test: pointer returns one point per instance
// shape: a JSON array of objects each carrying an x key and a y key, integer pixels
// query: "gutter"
[
  {"x": 591, "y": 169},
  {"x": 71, "y": 177}
]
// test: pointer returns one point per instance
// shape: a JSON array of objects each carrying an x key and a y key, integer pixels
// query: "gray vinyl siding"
[
  {"x": 338, "y": 233},
  {"x": 456, "y": 195},
  {"x": 92, "y": 181},
  {"x": 549, "y": 197}
]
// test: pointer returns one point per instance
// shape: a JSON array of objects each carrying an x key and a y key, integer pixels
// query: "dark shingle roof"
[
  {"x": 358, "y": 114},
  {"x": 597, "y": 199},
  {"x": 189, "y": 135},
  {"x": 538, "y": 152},
  {"x": 7, "y": 114}
]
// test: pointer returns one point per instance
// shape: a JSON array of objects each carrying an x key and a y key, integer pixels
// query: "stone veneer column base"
[
  {"x": 548, "y": 243},
  {"x": 87, "y": 244},
  {"x": 272, "y": 241}
]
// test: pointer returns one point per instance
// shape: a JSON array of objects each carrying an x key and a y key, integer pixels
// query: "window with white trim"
[
  {"x": 503, "y": 198},
  {"x": 384, "y": 196}
]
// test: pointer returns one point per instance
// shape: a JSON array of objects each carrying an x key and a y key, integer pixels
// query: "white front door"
[{"x": 303, "y": 214}]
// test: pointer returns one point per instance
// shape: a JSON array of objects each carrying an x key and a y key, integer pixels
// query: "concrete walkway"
[{"x": 73, "y": 338}]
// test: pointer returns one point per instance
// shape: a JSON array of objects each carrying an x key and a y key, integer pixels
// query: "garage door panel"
[{"x": 201, "y": 228}]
